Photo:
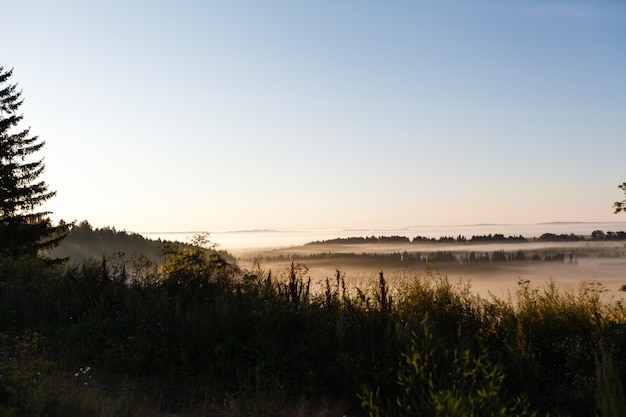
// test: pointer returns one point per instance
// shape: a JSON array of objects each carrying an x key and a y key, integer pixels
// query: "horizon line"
[{"x": 347, "y": 229}]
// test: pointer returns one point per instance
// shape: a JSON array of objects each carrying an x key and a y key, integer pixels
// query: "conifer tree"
[
  {"x": 23, "y": 230},
  {"x": 620, "y": 205}
]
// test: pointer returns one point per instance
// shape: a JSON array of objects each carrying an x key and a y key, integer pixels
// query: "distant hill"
[{"x": 84, "y": 242}]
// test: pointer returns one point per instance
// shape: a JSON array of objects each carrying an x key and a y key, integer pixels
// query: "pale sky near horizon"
[{"x": 203, "y": 115}]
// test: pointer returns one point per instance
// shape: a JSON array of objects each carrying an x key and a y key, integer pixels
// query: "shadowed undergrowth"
[{"x": 198, "y": 336}]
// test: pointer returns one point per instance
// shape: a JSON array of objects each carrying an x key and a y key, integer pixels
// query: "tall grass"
[{"x": 233, "y": 342}]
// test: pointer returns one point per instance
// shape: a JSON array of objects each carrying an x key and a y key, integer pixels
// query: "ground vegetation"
[{"x": 198, "y": 336}]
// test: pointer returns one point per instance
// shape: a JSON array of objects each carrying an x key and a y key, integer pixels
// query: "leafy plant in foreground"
[
  {"x": 432, "y": 381},
  {"x": 610, "y": 394}
]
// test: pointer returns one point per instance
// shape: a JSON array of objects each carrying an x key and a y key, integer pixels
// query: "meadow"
[
  {"x": 200, "y": 334},
  {"x": 565, "y": 263}
]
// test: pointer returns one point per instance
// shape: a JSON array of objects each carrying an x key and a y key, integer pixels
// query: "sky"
[{"x": 237, "y": 115}]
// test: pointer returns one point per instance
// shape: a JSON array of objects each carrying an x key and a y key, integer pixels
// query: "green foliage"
[
  {"x": 419, "y": 342},
  {"x": 201, "y": 260},
  {"x": 29, "y": 385},
  {"x": 83, "y": 242},
  {"x": 611, "y": 401},
  {"x": 432, "y": 381},
  {"x": 20, "y": 372},
  {"x": 295, "y": 291},
  {"x": 23, "y": 231},
  {"x": 620, "y": 205},
  {"x": 548, "y": 338},
  {"x": 31, "y": 290}
]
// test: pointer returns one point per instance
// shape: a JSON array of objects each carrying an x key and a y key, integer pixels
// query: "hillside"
[{"x": 85, "y": 242}]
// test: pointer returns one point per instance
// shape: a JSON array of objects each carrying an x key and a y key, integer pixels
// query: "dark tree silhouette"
[
  {"x": 23, "y": 231},
  {"x": 621, "y": 205}
]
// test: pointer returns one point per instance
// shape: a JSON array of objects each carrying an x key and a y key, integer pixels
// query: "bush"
[{"x": 432, "y": 381}]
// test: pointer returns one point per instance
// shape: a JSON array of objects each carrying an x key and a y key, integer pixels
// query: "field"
[
  {"x": 198, "y": 335},
  {"x": 361, "y": 263}
]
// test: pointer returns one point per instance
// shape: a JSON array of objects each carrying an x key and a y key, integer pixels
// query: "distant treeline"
[
  {"x": 437, "y": 257},
  {"x": 497, "y": 237},
  {"x": 86, "y": 242}
]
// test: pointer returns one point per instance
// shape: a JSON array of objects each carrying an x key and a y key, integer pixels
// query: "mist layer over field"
[
  {"x": 574, "y": 262},
  {"x": 604, "y": 261}
]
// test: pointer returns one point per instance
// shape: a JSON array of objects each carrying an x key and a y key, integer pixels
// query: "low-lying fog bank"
[{"x": 575, "y": 262}]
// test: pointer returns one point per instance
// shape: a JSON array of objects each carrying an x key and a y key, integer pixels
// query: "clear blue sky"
[{"x": 200, "y": 115}]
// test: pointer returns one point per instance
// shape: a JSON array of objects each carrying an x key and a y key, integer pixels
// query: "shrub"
[{"x": 433, "y": 381}]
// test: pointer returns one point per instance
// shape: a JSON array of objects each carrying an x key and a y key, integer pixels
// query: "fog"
[{"x": 583, "y": 261}]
